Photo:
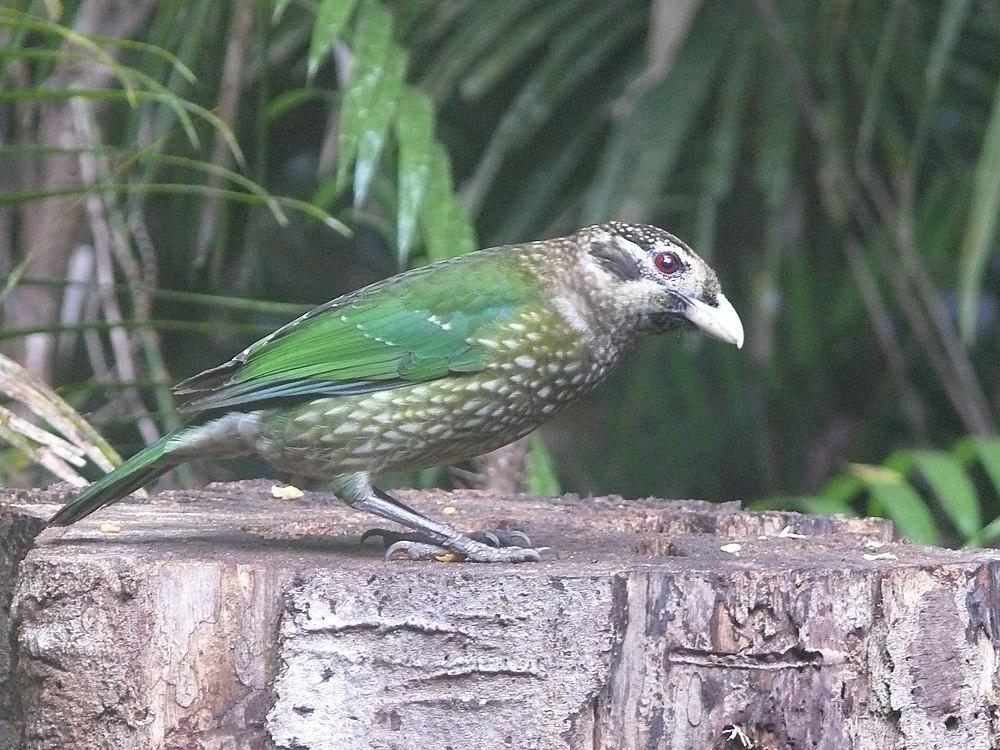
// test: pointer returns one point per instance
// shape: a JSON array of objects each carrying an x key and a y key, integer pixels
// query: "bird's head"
[{"x": 661, "y": 280}]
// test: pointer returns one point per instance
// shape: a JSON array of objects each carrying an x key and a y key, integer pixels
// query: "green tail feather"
[{"x": 143, "y": 467}]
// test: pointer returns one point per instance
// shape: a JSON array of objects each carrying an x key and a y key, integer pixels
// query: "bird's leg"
[
  {"x": 494, "y": 538},
  {"x": 441, "y": 537}
]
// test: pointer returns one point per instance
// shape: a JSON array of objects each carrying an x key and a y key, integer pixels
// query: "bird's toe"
[
  {"x": 513, "y": 539},
  {"x": 389, "y": 537},
  {"x": 496, "y": 538},
  {"x": 466, "y": 550},
  {"x": 482, "y": 553},
  {"x": 409, "y": 550}
]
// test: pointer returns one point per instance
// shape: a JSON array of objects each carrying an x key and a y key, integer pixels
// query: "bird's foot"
[
  {"x": 494, "y": 538},
  {"x": 485, "y": 547},
  {"x": 471, "y": 551}
]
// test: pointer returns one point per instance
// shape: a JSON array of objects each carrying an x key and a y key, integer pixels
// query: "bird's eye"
[{"x": 667, "y": 263}]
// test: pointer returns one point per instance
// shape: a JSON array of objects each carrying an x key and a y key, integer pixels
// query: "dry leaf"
[
  {"x": 881, "y": 556},
  {"x": 287, "y": 492}
]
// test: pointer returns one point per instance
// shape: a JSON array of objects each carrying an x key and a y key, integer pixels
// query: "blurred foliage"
[
  {"x": 61, "y": 450},
  {"x": 932, "y": 496},
  {"x": 837, "y": 162}
]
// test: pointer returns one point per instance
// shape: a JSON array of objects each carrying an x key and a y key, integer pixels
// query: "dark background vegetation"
[{"x": 837, "y": 161}]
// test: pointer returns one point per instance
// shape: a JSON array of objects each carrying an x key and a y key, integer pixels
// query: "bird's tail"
[
  {"x": 224, "y": 437},
  {"x": 143, "y": 467}
]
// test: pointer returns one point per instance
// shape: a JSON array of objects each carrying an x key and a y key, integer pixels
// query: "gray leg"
[{"x": 443, "y": 537}]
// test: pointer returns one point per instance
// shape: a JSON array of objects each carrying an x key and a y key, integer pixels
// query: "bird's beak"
[{"x": 719, "y": 320}]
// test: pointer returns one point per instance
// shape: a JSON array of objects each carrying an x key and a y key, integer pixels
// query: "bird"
[{"x": 434, "y": 366}]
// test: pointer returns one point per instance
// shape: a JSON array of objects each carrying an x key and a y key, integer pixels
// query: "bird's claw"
[
  {"x": 500, "y": 538},
  {"x": 495, "y": 538},
  {"x": 471, "y": 551}
]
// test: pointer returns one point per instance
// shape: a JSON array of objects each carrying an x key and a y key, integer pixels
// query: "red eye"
[{"x": 667, "y": 263}]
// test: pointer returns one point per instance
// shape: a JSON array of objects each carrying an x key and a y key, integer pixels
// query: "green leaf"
[
  {"x": 952, "y": 488},
  {"x": 840, "y": 491},
  {"x": 539, "y": 472},
  {"x": 987, "y": 452},
  {"x": 892, "y": 497},
  {"x": 286, "y": 101},
  {"x": 446, "y": 225},
  {"x": 980, "y": 233},
  {"x": 513, "y": 48},
  {"x": 644, "y": 148},
  {"x": 571, "y": 57},
  {"x": 331, "y": 17},
  {"x": 160, "y": 188},
  {"x": 279, "y": 9},
  {"x": 14, "y": 18},
  {"x": 537, "y": 199},
  {"x": 162, "y": 96},
  {"x": 370, "y": 44},
  {"x": 825, "y": 506},
  {"x": 490, "y": 25},
  {"x": 243, "y": 304},
  {"x": 414, "y": 133},
  {"x": 989, "y": 534},
  {"x": 380, "y": 112}
]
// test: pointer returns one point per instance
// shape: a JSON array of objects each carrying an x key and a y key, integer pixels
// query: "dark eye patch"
[{"x": 616, "y": 261}]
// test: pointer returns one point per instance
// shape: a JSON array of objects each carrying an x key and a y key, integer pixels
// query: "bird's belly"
[{"x": 438, "y": 422}]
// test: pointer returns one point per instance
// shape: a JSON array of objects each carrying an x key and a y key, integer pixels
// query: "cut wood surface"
[{"x": 227, "y": 619}]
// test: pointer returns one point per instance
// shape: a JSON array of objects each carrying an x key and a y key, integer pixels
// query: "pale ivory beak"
[{"x": 719, "y": 320}]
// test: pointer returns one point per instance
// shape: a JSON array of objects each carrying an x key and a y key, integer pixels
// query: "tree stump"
[{"x": 228, "y": 619}]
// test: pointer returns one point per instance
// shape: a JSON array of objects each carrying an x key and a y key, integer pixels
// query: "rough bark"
[
  {"x": 228, "y": 619},
  {"x": 17, "y": 533}
]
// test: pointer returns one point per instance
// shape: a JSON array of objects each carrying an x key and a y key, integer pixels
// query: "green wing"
[{"x": 419, "y": 326}]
